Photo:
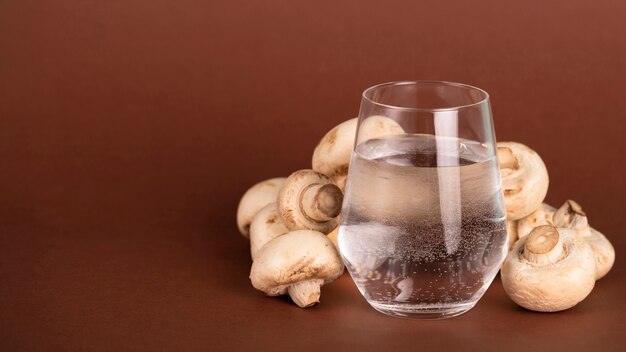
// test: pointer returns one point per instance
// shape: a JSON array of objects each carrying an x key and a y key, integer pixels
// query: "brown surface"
[{"x": 129, "y": 130}]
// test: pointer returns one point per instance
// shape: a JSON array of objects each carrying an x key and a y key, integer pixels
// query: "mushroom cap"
[
  {"x": 332, "y": 154},
  {"x": 265, "y": 225},
  {"x": 524, "y": 179},
  {"x": 294, "y": 257},
  {"x": 255, "y": 198},
  {"x": 290, "y": 202},
  {"x": 377, "y": 126},
  {"x": 541, "y": 216},
  {"x": 554, "y": 286},
  {"x": 603, "y": 251}
]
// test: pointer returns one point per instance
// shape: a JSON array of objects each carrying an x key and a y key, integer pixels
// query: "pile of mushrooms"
[
  {"x": 287, "y": 221},
  {"x": 292, "y": 222},
  {"x": 555, "y": 257}
]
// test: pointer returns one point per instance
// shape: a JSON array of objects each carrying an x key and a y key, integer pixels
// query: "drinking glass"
[{"x": 422, "y": 229}]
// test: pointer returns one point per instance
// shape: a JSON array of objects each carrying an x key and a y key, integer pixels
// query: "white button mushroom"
[
  {"x": 255, "y": 198},
  {"x": 332, "y": 154},
  {"x": 309, "y": 200},
  {"x": 572, "y": 216},
  {"x": 299, "y": 263},
  {"x": 524, "y": 179},
  {"x": 265, "y": 225},
  {"x": 549, "y": 270},
  {"x": 542, "y": 216}
]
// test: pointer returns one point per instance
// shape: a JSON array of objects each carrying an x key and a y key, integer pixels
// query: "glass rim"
[{"x": 485, "y": 95}]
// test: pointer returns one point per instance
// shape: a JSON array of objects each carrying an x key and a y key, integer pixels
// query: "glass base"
[{"x": 426, "y": 312}]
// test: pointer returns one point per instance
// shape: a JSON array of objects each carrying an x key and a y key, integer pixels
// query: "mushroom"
[
  {"x": 524, "y": 179},
  {"x": 265, "y": 225},
  {"x": 254, "y": 199},
  {"x": 572, "y": 216},
  {"x": 332, "y": 154},
  {"x": 542, "y": 216},
  {"x": 299, "y": 263},
  {"x": 511, "y": 230},
  {"x": 309, "y": 200},
  {"x": 549, "y": 270}
]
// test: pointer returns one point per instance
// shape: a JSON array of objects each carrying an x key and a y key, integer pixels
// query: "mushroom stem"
[
  {"x": 544, "y": 245},
  {"x": 322, "y": 202},
  {"x": 306, "y": 293}
]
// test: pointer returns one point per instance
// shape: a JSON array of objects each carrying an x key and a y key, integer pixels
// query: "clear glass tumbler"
[{"x": 422, "y": 229}]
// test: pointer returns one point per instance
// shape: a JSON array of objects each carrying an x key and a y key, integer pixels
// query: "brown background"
[{"x": 130, "y": 129}]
